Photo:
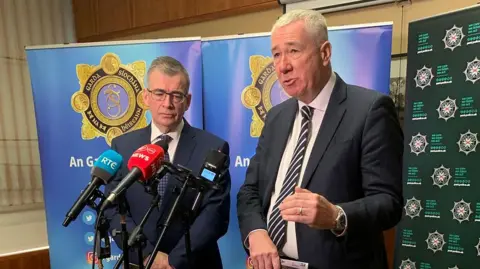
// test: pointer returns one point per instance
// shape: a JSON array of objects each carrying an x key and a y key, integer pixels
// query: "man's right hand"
[{"x": 263, "y": 253}]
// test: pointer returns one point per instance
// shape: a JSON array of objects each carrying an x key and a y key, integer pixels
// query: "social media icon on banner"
[
  {"x": 88, "y": 217},
  {"x": 89, "y": 238},
  {"x": 90, "y": 258}
]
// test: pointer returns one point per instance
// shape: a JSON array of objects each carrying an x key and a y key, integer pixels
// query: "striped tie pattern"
[
  {"x": 162, "y": 184},
  {"x": 276, "y": 225}
]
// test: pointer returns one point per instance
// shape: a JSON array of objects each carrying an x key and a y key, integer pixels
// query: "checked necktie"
[
  {"x": 276, "y": 225},
  {"x": 162, "y": 184}
]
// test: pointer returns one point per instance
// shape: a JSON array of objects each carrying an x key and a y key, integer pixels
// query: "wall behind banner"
[
  {"x": 68, "y": 140},
  {"x": 235, "y": 66}
]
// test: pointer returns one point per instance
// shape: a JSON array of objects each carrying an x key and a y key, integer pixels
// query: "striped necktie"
[
  {"x": 162, "y": 184},
  {"x": 276, "y": 225}
]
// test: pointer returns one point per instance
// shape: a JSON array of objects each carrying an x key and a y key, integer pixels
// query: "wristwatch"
[{"x": 341, "y": 220}]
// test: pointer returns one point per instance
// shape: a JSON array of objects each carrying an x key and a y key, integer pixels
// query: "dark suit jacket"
[
  {"x": 356, "y": 163},
  {"x": 212, "y": 219}
]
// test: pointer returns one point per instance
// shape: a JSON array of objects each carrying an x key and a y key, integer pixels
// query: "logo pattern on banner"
[
  {"x": 264, "y": 92},
  {"x": 441, "y": 176},
  {"x": 453, "y": 37},
  {"x": 413, "y": 207},
  {"x": 110, "y": 98},
  {"x": 472, "y": 71},
  {"x": 447, "y": 109},
  {"x": 441, "y": 224},
  {"x": 424, "y": 77},
  {"x": 418, "y": 144}
]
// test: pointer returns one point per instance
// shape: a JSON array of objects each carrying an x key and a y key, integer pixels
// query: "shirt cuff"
[
  {"x": 245, "y": 243},
  {"x": 343, "y": 231}
]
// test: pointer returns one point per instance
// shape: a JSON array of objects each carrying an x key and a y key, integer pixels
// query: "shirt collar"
[
  {"x": 321, "y": 101},
  {"x": 174, "y": 134}
]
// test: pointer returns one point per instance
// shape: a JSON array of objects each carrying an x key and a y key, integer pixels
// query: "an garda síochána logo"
[
  {"x": 110, "y": 98},
  {"x": 264, "y": 92}
]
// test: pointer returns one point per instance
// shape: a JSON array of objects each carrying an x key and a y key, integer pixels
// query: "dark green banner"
[{"x": 440, "y": 228}]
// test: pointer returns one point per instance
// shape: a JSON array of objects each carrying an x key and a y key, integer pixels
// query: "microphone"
[
  {"x": 144, "y": 162},
  {"x": 214, "y": 167},
  {"x": 102, "y": 172}
]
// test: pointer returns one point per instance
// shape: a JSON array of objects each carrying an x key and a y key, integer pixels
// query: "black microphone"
[
  {"x": 214, "y": 167},
  {"x": 103, "y": 170}
]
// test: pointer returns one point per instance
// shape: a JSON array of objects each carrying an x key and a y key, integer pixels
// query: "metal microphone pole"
[
  {"x": 137, "y": 238},
  {"x": 122, "y": 208},
  {"x": 172, "y": 211}
]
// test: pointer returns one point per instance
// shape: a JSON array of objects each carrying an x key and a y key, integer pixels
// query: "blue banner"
[
  {"x": 85, "y": 95},
  {"x": 240, "y": 84}
]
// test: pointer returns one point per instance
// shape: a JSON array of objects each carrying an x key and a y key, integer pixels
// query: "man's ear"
[
  {"x": 188, "y": 101},
  {"x": 326, "y": 53},
  {"x": 146, "y": 98}
]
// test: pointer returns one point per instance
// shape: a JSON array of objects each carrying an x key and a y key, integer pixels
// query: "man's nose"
[
  {"x": 168, "y": 101},
  {"x": 284, "y": 64}
]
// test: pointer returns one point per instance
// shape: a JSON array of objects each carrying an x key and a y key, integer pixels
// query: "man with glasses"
[{"x": 167, "y": 98}]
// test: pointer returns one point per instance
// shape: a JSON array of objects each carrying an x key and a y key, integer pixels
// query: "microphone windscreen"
[
  {"x": 148, "y": 159},
  {"x": 106, "y": 165}
]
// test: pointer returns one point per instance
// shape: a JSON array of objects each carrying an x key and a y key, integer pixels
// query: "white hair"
[{"x": 315, "y": 23}]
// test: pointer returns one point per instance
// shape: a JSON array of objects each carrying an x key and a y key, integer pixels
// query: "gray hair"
[
  {"x": 315, "y": 23},
  {"x": 170, "y": 67}
]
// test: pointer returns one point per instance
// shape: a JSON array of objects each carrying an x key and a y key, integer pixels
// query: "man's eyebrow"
[{"x": 290, "y": 43}]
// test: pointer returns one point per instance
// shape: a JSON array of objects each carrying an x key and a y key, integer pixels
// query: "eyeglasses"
[{"x": 160, "y": 95}]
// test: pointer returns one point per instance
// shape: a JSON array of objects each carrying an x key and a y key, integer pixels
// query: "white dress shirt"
[
  {"x": 319, "y": 104},
  {"x": 174, "y": 134}
]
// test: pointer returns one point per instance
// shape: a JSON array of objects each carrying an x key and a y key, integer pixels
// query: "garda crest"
[
  {"x": 110, "y": 98},
  {"x": 263, "y": 93}
]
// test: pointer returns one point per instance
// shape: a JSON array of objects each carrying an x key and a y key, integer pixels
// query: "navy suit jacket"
[
  {"x": 356, "y": 163},
  {"x": 212, "y": 217}
]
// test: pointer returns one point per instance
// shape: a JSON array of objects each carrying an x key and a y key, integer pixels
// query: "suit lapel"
[
  {"x": 331, "y": 120},
  {"x": 186, "y": 145},
  {"x": 144, "y": 136},
  {"x": 183, "y": 154},
  {"x": 282, "y": 131}
]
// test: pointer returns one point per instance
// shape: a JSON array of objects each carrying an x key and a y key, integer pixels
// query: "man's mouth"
[{"x": 289, "y": 81}]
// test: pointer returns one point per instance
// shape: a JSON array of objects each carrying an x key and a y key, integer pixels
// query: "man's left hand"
[
  {"x": 309, "y": 208},
  {"x": 160, "y": 262}
]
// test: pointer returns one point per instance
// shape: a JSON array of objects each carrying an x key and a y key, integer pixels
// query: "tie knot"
[
  {"x": 164, "y": 138},
  {"x": 307, "y": 112}
]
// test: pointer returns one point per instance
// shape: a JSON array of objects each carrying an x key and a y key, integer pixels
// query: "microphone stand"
[
  {"x": 172, "y": 211},
  {"x": 101, "y": 229},
  {"x": 188, "y": 218},
  {"x": 137, "y": 239},
  {"x": 122, "y": 208}
]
